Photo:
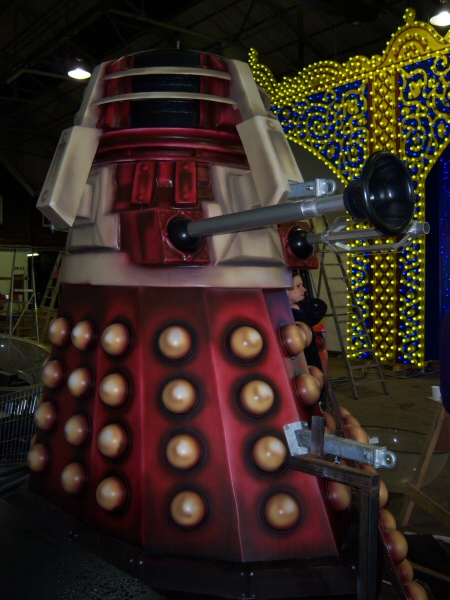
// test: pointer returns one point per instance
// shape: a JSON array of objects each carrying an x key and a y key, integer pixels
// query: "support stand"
[
  {"x": 388, "y": 565},
  {"x": 367, "y": 486}
]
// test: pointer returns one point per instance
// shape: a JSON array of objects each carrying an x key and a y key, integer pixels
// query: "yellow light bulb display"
[{"x": 342, "y": 113}]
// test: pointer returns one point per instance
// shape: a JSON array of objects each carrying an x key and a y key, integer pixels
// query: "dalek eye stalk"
[{"x": 175, "y": 360}]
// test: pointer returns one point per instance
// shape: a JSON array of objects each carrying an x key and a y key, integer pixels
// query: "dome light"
[
  {"x": 442, "y": 17},
  {"x": 79, "y": 70}
]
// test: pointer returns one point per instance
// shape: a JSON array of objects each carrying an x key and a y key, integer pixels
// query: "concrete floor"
[
  {"x": 408, "y": 406},
  {"x": 78, "y": 574}
]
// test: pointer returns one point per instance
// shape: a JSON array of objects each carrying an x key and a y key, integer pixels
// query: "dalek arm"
[{"x": 384, "y": 195}]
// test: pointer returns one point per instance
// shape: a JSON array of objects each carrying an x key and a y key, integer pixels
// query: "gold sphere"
[
  {"x": 386, "y": 519},
  {"x": 59, "y": 331},
  {"x": 257, "y": 397},
  {"x": 188, "y": 509},
  {"x": 293, "y": 339},
  {"x": 308, "y": 389},
  {"x": 396, "y": 545},
  {"x": 112, "y": 440},
  {"x": 269, "y": 453},
  {"x": 175, "y": 342},
  {"x": 246, "y": 343},
  {"x": 179, "y": 396},
  {"x": 116, "y": 339},
  {"x": 307, "y": 331},
  {"x": 317, "y": 373},
  {"x": 73, "y": 478},
  {"x": 339, "y": 494},
  {"x": 183, "y": 451},
  {"x": 83, "y": 335},
  {"x": 76, "y": 430},
  {"x": 45, "y": 416},
  {"x": 38, "y": 458},
  {"x": 80, "y": 382},
  {"x": 281, "y": 511},
  {"x": 111, "y": 494},
  {"x": 356, "y": 432},
  {"x": 114, "y": 389},
  {"x": 52, "y": 373}
]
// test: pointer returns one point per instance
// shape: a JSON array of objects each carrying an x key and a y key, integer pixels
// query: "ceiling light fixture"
[
  {"x": 79, "y": 70},
  {"x": 442, "y": 16}
]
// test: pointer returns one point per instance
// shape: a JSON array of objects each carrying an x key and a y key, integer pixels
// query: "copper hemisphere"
[
  {"x": 257, "y": 397},
  {"x": 281, "y": 512},
  {"x": 45, "y": 416},
  {"x": 175, "y": 342},
  {"x": 76, "y": 430},
  {"x": 116, "y": 339},
  {"x": 112, "y": 440},
  {"x": 269, "y": 453},
  {"x": 114, "y": 390},
  {"x": 38, "y": 458},
  {"x": 188, "y": 509},
  {"x": 179, "y": 396},
  {"x": 183, "y": 451},
  {"x": 83, "y": 335},
  {"x": 293, "y": 339},
  {"x": 246, "y": 343},
  {"x": 111, "y": 494},
  {"x": 52, "y": 373},
  {"x": 73, "y": 478},
  {"x": 59, "y": 331}
]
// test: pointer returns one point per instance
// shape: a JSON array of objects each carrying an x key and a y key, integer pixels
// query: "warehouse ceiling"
[{"x": 40, "y": 38}]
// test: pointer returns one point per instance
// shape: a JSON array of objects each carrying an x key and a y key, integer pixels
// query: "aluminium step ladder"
[
  {"x": 22, "y": 308},
  {"x": 47, "y": 308},
  {"x": 344, "y": 306}
]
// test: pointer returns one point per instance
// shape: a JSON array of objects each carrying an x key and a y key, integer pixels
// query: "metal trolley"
[
  {"x": 17, "y": 425},
  {"x": 20, "y": 365}
]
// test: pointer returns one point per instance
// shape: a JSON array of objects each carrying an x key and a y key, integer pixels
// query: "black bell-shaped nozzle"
[{"x": 384, "y": 194}]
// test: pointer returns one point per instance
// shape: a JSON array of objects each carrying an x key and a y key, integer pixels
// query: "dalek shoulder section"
[
  {"x": 64, "y": 186},
  {"x": 88, "y": 114},
  {"x": 64, "y": 191}
]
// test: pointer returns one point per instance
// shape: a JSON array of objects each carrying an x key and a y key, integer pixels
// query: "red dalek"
[{"x": 175, "y": 360}]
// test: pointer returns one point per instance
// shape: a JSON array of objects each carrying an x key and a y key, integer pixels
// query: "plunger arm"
[
  {"x": 384, "y": 195},
  {"x": 262, "y": 217}
]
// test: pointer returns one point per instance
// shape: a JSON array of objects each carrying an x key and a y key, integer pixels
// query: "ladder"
[
  {"x": 344, "y": 306},
  {"x": 47, "y": 308},
  {"x": 24, "y": 319}
]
